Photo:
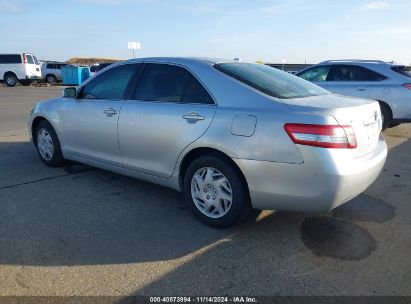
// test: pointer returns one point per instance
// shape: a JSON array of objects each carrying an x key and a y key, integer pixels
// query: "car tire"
[
  {"x": 50, "y": 78},
  {"x": 48, "y": 145},
  {"x": 216, "y": 192},
  {"x": 10, "y": 80},
  {"x": 386, "y": 116}
]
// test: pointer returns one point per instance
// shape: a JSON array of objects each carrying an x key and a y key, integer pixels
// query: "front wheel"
[
  {"x": 48, "y": 145},
  {"x": 216, "y": 192}
]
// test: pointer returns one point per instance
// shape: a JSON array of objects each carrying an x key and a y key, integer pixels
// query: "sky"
[{"x": 295, "y": 31}]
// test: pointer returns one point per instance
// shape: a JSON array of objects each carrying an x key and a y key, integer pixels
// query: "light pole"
[{"x": 134, "y": 45}]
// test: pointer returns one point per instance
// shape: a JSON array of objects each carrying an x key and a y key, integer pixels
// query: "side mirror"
[{"x": 70, "y": 92}]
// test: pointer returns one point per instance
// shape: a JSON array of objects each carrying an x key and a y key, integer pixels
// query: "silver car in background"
[
  {"x": 388, "y": 83},
  {"x": 232, "y": 136}
]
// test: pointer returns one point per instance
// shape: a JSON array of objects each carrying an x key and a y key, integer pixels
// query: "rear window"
[
  {"x": 12, "y": 58},
  {"x": 270, "y": 81},
  {"x": 403, "y": 70}
]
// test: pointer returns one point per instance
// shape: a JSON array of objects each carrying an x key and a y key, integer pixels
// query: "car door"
[
  {"x": 350, "y": 80},
  {"x": 169, "y": 109},
  {"x": 89, "y": 122}
]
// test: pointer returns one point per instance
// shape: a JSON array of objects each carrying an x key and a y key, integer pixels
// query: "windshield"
[
  {"x": 404, "y": 70},
  {"x": 270, "y": 81}
]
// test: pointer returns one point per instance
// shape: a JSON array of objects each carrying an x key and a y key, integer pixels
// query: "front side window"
[
  {"x": 51, "y": 66},
  {"x": 35, "y": 60},
  {"x": 163, "y": 82},
  {"x": 270, "y": 81},
  {"x": 353, "y": 73},
  {"x": 111, "y": 84},
  {"x": 316, "y": 74}
]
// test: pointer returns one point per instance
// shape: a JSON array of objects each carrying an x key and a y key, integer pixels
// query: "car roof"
[{"x": 182, "y": 60}]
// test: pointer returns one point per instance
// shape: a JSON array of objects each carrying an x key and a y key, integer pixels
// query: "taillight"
[
  {"x": 407, "y": 85},
  {"x": 24, "y": 59},
  {"x": 325, "y": 136}
]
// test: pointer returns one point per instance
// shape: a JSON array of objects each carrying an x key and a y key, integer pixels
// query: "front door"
[
  {"x": 169, "y": 110},
  {"x": 89, "y": 122}
]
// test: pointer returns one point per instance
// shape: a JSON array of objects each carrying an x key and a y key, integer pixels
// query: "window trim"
[
  {"x": 126, "y": 91},
  {"x": 193, "y": 75}
]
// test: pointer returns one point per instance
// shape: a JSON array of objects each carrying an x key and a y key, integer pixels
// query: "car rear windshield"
[
  {"x": 270, "y": 81},
  {"x": 403, "y": 70}
]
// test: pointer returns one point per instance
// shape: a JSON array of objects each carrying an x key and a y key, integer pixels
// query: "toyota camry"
[{"x": 232, "y": 136}]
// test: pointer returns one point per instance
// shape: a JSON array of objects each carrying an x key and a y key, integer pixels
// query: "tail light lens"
[
  {"x": 24, "y": 59},
  {"x": 324, "y": 136},
  {"x": 407, "y": 85}
]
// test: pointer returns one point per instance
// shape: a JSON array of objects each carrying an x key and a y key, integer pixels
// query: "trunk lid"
[{"x": 363, "y": 115}]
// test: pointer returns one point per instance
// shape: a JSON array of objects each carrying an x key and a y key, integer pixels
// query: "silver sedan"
[{"x": 232, "y": 136}]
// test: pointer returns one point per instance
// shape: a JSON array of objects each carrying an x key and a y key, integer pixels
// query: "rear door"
[
  {"x": 31, "y": 66},
  {"x": 89, "y": 122},
  {"x": 168, "y": 110},
  {"x": 351, "y": 80}
]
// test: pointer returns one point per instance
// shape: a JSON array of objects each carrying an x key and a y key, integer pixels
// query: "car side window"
[
  {"x": 316, "y": 74},
  {"x": 164, "y": 82},
  {"x": 353, "y": 73},
  {"x": 110, "y": 84},
  {"x": 29, "y": 59}
]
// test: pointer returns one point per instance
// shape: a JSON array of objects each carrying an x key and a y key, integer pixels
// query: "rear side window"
[
  {"x": 35, "y": 60},
  {"x": 270, "y": 81},
  {"x": 316, "y": 74},
  {"x": 353, "y": 73},
  {"x": 403, "y": 70},
  {"x": 29, "y": 59},
  {"x": 13, "y": 58},
  {"x": 164, "y": 82},
  {"x": 110, "y": 84}
]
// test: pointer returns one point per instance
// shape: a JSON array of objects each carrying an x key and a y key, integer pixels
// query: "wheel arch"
[
  {"x": 385, "y": 104},
  {"x": 34, "y": 125},
  {"x": 203, "y": 151},
  {"x": 10, "y": 72}
]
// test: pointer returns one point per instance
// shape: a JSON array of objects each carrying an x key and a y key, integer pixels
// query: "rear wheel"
[
  {"x": 386, "y": 116},
  {"x": 51, "y": 78},
  {"x": 48, "y": 145},
  {"x": 10, "y": 79},
  {"x": 215, "y": 192}
]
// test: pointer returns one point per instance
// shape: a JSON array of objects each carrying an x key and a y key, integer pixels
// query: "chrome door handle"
[
  {"x": 193, "y": 116},
  {"x": 110, "y": 112}
]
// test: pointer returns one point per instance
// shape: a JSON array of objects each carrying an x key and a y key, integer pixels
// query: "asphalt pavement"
[{"x": 78, "y": 230}]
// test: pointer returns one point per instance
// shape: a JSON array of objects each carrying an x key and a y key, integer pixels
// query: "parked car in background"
[
  {"x": 98, "y": 67},
  {"x": 51, "y": 71},
  {"x": 388, "y": 83},
  {"x": 232, "y": 136},
  {"x": 23, "y": 68}
]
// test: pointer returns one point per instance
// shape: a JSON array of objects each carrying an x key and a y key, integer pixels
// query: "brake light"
[
  {"x": 325, "y": 136},
  {"x": 407, "y": 85},
  {"x": 24, "y": 59}
]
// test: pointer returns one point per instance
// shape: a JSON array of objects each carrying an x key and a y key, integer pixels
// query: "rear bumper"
[{"x": 324, "y": 181}]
